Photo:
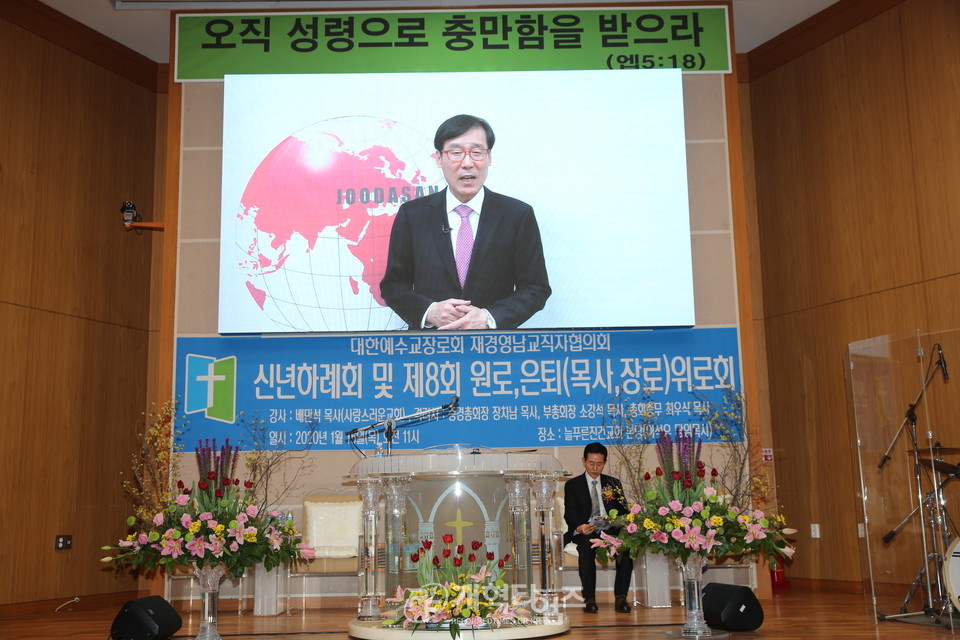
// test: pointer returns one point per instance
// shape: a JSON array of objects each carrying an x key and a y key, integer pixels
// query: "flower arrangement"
[
  {"x": 457, "y": 588},
  {"x": 682, "y": 514},
  {"x": 212, "y": 522}
]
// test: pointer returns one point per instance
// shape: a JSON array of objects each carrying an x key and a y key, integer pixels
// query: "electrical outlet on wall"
[
  {"x": 64, "y": 542},
  {"x": 814, "y": 530}
]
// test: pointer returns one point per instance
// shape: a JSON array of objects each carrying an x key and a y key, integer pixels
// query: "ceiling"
[{"x": 147, "y": 30}]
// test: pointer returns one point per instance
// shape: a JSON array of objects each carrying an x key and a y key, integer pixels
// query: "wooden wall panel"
[
  {"x": 19, "y": 150},
  {"x": 791, "y": 340},
  {"x": 931, "y": 54},
  {"x": 856, "y": 163},
  {"x": 13, "y": 392},
  {"x": 782, "y": 223},
  {"x": 828, "y": 161},
  {"x": 74, "y": 306},
  {"x": 836, "y": 498},
  {"x": 95, "y": 152},
  {"x": 883, "y": 194}
]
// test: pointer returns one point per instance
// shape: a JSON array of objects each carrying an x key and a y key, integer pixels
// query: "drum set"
[{"x": 939, "y": 574}]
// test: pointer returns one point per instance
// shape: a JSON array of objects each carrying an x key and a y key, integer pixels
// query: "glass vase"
[
  {"x": 209, "y": 579},
  {"x": 695, "y": 626}
]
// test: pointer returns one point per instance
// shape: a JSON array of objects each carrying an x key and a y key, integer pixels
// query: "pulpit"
[{"x": 502, "y": 500}]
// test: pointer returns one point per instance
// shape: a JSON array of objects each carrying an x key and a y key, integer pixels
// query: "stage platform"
[{"x": 793, "y": 614}]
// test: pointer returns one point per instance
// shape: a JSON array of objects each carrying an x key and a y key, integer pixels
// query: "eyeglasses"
[{"x": 457, "y": 155}]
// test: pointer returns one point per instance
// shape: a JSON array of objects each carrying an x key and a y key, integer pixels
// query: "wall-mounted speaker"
[
  {"x": 731, "y": 607},
  {"x": 150, "y": 618}
]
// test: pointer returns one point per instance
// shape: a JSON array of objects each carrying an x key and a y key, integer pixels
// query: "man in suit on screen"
[
  {"x": 465, "y": 257},
  {"x": 587, "y": 499}
]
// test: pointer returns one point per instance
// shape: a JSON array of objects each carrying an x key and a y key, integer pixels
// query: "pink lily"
[
  {"x": 171, "y": 547},
  {"x": 274, "y": 539},
  {"x": 710, "y": 541},
  {"x": 481, "y": 575},
  {"x": 196, "y": 547},
  {"x": 754, "y": 532},
  {"x": 215, "y": 546},
  {"x": 237, "y": 534}
]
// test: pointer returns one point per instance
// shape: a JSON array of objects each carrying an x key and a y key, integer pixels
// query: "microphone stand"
[
  {"x": 910, "y": 420},
  {"x": 390, "y": 426}
]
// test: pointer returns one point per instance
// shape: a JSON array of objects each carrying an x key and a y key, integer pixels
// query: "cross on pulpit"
[{"x": 459, "y": 524}]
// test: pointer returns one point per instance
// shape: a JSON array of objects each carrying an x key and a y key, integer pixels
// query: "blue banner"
[{"x": 515, "y": 389}]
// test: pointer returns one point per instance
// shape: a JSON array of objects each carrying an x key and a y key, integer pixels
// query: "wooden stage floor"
[{"x": 789, "y": 615}]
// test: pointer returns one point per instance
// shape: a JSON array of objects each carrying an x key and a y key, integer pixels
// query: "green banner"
[{"x": 694, "y": 39}]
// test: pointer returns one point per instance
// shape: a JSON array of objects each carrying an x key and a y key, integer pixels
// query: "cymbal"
[{"x": 941, "y": 466}]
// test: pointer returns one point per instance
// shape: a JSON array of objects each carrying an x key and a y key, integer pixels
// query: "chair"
[{"x": 332, "y": 528}]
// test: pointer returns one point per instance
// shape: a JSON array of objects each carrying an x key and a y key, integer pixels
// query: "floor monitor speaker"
[
  {"x": 150, "y": 618},
  {"x": 731, "y": 607}
]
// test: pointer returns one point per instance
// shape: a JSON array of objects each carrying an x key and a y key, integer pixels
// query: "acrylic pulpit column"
[
  {"x": 396, "y": 490},
  {"x": 518, "y": 502},
  {"x": 544, "y": 487},
  {"x": 369, "y": 607}
]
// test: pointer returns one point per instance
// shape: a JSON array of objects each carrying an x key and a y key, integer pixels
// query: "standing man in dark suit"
[
  {"x": 587, "y": 498},
  {"x": 465, "y": 257}
]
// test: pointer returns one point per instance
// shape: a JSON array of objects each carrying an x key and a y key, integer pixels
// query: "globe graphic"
[{"x": 314, "y": 222}]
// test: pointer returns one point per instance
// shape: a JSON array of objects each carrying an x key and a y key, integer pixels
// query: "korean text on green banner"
[{"x": 693, "y": 39}]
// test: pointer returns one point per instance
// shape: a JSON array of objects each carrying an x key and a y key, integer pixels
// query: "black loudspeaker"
[
  {"x": 731, "y": 607},
  {"x": 150, "y": 618}
]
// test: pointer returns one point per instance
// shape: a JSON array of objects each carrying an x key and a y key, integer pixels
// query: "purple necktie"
[{"x": 464, "y": 242}]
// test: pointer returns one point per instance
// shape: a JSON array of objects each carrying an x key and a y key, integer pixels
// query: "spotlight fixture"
[
  {"x": 129, "y": 211},
  {"x": 132, "y": 219}
]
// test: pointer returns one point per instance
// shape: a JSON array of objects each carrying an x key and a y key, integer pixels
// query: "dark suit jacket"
[
  {"x": 577, "y": 505},
  {"x": 507, "y": 276}
]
